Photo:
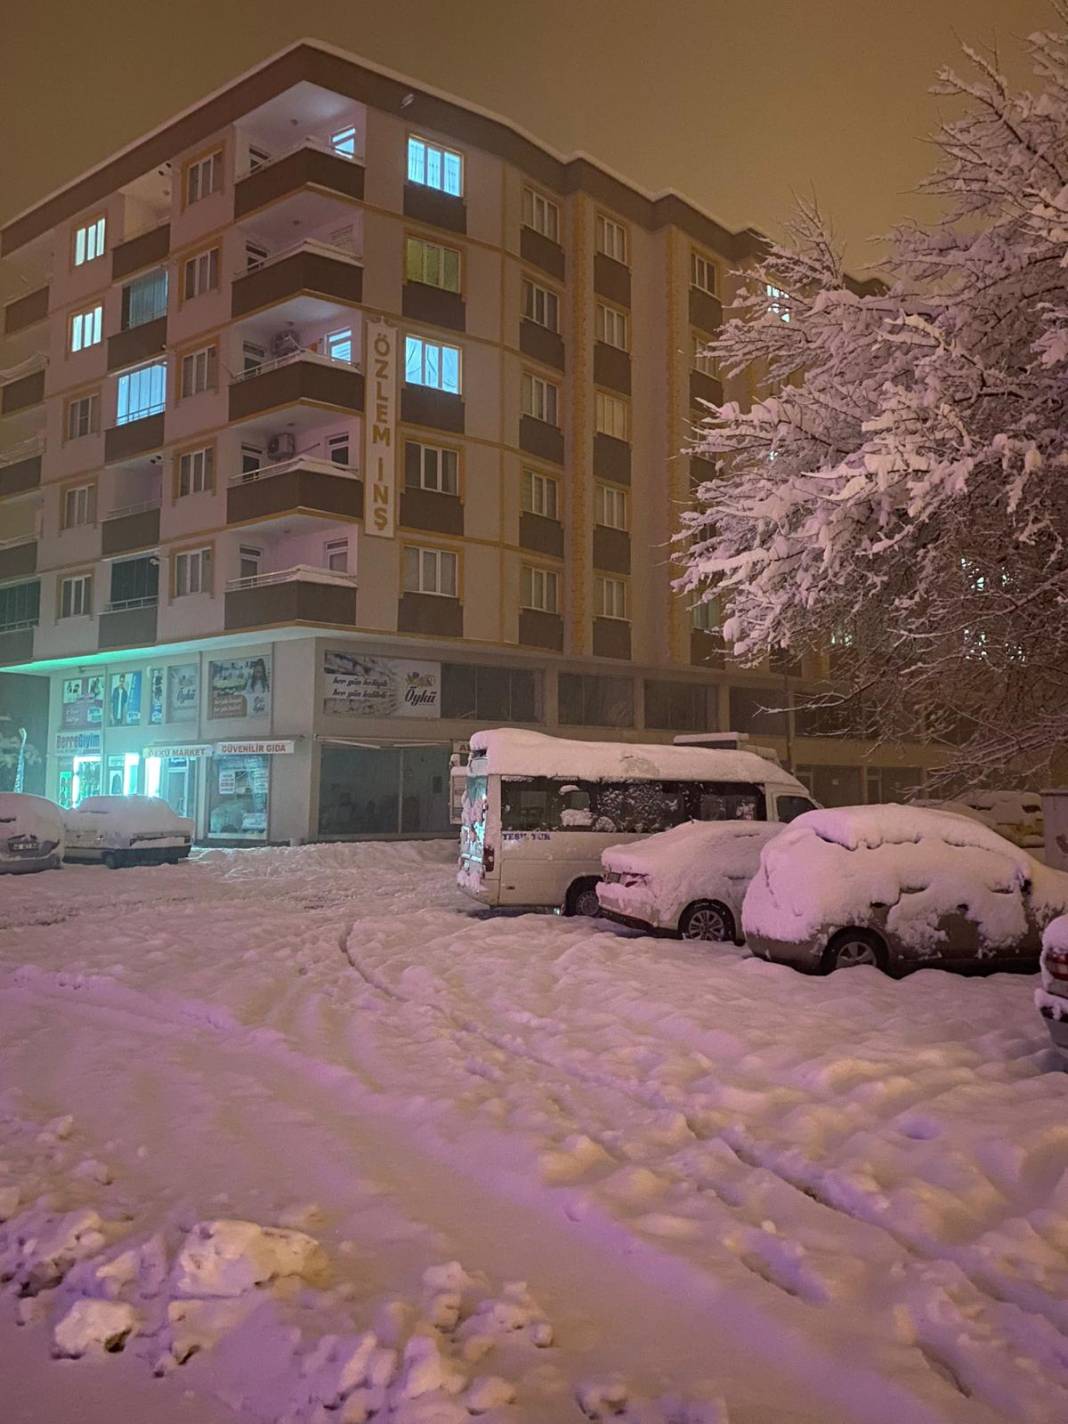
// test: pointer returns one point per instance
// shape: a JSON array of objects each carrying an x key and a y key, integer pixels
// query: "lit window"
[
  {"x": 203, "y": 177},
  {"x": 611, "y": 238},
  {"x": 541, "y": 305},
  {"x": 540, "y": 494},
  {"x": 610, "y": 506},
  {"x": 144, "y": 299},
  {"x": 338, "y": 345},
  {"x": 344, "y": 142},
  {"x": 702, "y": 358},
  {"x": 611, "y": 415},
  {"x": 336, "y": 555},
  {"x": 541, "y": 214},
  {"x": 702, "y": 273},
  {"x": 196, "y": 471},
  {"x": 430, "y": 571},
  {"x": 201, "y": 274},
  {"x": 76, "y": 596},
  {"x": 89, "y": 241},
  {"x": 86, "y": 328},
  {"x": 192, "y": 572},
  {"x": 538, "y": 589},
  {"x": 612, "y": 326},
  {"x": 83, "y": 416},
  {"x": 429, "y": 363},
  {"x": 435, "y": 167},
  {"x": 79, "y": 506},
  {"x": 431, "y": 467},
  {"x": 609, "y": 597},
  {"x": 200, "y": 371},
  {"x": 540, "y": 398},
  {"x": 432, "y": 264},
  {"x": 778, "y": 303},
  {"x": 141, "y": 393}
]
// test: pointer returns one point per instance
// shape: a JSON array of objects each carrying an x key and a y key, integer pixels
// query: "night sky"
[{"x": 737, "y": 105}]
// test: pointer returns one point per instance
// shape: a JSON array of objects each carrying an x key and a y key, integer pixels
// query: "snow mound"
[
  {"x": 92, "y": 1326},
  {"x": 1055, "y": 935},
  {"x": 227, "y": 1258}
]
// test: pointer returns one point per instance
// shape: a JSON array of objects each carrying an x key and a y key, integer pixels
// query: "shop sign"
[
  {"x": 359, "y": 686},
  {"x": 260, "y": 748},
  {"x": 380, "y": 426},
  {"x": 78, "y": 743},
  {"x": 194, "y": 750}
]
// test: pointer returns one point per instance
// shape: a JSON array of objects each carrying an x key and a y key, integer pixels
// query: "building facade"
[{"x": 340, "y": 419}]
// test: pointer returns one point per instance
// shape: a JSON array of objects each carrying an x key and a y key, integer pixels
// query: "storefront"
[
  {"x": 239, "y": 788},
  {"x": 80, "y": 766},
  {"x": 367, "y": 790},
  {"x": 174, "y": 771}
]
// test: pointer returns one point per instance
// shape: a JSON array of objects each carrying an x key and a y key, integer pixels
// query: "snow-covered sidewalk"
[{"x": 515, "y": 1168}]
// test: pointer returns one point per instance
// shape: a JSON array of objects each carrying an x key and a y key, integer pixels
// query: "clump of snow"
[
  {"x": 94, "y": 1325},
  {"x": 227, "y": 1258},
  {"x": 1055, "y": 935},
  {"x": 828, "y": 869}
]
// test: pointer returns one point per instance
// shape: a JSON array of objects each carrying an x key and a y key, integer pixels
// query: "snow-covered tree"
[{"x": 897, "y": 491}]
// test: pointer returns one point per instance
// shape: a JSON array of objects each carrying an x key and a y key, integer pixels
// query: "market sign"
[
  {"x": 260, "y": 748},
  {"x": 195, "y": 751},
  {"x": 359, "y": 686},
  {"x": 380, "y": 430},
  {"x": 78, "y": 743}
]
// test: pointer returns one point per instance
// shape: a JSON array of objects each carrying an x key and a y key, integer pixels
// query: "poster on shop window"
[
  {"x": 240, "y": 687},
  {"x": 83, "y": 701},
  {"x": 358, "y": 686}
]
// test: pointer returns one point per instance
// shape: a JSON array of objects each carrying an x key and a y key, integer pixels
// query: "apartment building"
[{"x": 341, "y": 418}]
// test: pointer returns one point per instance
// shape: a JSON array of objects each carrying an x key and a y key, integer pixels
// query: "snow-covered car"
[
  {"x": 1016, "y": 815},
  {"x": 31, "y": 833},
  {"x": 689, "y": 881},
  {"x": 1051, "y": 999},
  {"x": 126, "y": 830},
  {"x": 899, "y": 887}
]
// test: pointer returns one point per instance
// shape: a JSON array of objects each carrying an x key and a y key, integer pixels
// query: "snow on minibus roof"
[{"x": 507, "y": 751}]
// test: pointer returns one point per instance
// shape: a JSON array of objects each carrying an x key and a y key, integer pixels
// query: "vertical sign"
[{"x": 380, "y": 421}]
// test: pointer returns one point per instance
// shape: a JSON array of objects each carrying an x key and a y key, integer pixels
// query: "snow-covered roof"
[{"x": 509, "y": 751}]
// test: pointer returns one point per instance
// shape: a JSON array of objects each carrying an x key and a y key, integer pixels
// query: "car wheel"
[
  {"x": 708, "y": 921},
  {"x": 582, "y": 899},
  {"x": 850, "y": 948}
]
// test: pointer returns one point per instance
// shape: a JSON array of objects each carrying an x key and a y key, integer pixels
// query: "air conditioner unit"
[
  {"x": 284, "y": 343},
  {"x": 282, "y": 447}
]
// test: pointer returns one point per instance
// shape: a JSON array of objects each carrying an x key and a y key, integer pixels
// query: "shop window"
[
  {"x": 676, "y": 706},
  {"x": 383, "y": 791},
  {"x": 489, "y": 693},
  {"x": 758, "y": 710},
  {"x": 238, "y": 792},
  {"x": 587, "y": 700}
]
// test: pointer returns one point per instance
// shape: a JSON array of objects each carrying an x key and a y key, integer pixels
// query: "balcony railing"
[
  {"x": 121, "y": 605},
  {"x": 20, "y": 625},
  {"x": 299, "y": 573},
  {"x": 308, "y": 141},
  {"x": 24, "y": 450},
  {"x": 317, "y": 358},
  {"x": 142, "y": 508},
  {"x": 17, "y": 540},
  {"x": 309, "y": 244},
  {"x": 298, "y": 462}
]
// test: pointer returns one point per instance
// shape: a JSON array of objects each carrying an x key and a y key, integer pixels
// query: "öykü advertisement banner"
[{"x": 359, "y": 686}]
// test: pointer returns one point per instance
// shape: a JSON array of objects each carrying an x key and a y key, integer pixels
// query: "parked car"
[
  {"x": 899, "y": 887},
  {"x": 1052, "y": 999},
  {"x": 1016, "y": 815},
  {"x": 689, "y": 881},
  {"x": 31, "y": 833},
  {"x": 126, "y": 830}
]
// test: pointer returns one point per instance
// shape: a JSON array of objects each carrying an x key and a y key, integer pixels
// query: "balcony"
[
  {"x": 538, "y": 437},
  {"x": 706, "y": 313},
  {"x": 431, "y": 613},
  {"x": 144, "y": 250},
  {"x": 611, "y": 279},
  {"x": 304, "y": 376},
  {"x": 301, "y": 485},
  {"x": 611, "y": 549},
  {"x": 24, "y": 391},
  {"x": 136, "y": 437},
  {"x": 432, "y": 510},
  {"x": 706, "y": 648},
  {"x": 611, "y": 367},
  {"x": 435, "y": 305},
  {"x": 430, "y": 205},
  {"x": 301, "y": 594},
  {"x": 541, "y": 630},
  {"x": 704, "y": 388},
  {"x": 16, "y": 642},
  {"x": 137, "y": 343},
  {"x": 20, "y": 468},
  {"x": 541, "y": 344},
  {"x": 311, "y": 164},
  {"x": 18, "y": 556},
  {"x": 129, "y": 624},
  {"x": 310, "y": 268},
  {"x": 27, "y": 311},
  {"x": 136, "y": 526},
  {"x": 542, "y": 535},
  {"x": 611, "y": 638},
  {"x": 542, "y": 251},
  {"x": 422, "y": 405},
  {"x": 611, "y": 458}
]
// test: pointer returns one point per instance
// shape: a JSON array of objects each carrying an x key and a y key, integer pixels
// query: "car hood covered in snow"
[
  {"x": 829, "y": 868},
  {"x": 25, "y": 815}
]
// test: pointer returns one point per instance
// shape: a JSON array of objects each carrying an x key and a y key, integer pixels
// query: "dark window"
[
  {"x": 641, "y": 807},
  {"x": 369, "y": 791},
  {"x": 489, "y": 693},
  {"x": 136, "y": 578},
  {"x": 791, "y": 806},
  {"x": 677, "y": 706},
  {"x": 20, "y": 603},
  {"x": 587, "y": 700},
  {"x": 749, "y": 711}
]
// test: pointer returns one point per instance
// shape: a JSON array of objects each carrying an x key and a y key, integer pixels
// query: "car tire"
[
  {"x": 582, "y": 898},
  {"x": 707, "y": 920},
  {"x": 851, "y": 948}
]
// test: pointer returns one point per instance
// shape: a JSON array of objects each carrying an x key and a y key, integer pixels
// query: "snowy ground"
[{"x": 731, "y": 1192}]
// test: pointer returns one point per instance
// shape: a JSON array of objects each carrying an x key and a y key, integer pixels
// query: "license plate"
[{"x": 22, "y": 844}]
